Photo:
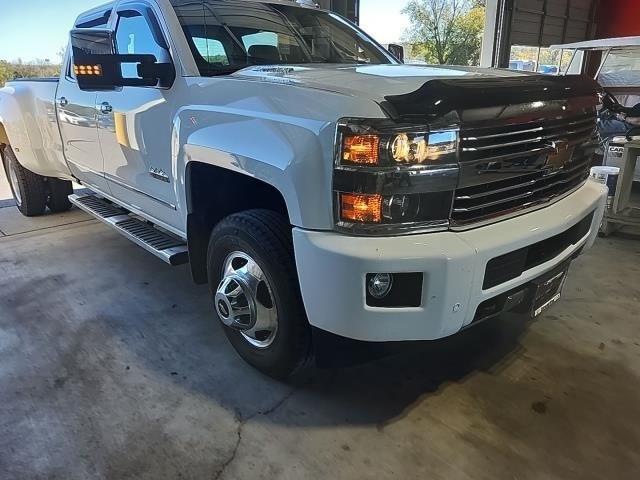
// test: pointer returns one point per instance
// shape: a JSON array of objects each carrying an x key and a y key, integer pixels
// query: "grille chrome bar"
[
  {"x": 505, "y": 134},
  {"x": 499, "y": 190},
  {"x": 525, "y": 141},
  {"x": 494, "y": 203},
  {"x": 530, "y": 193},
  {"x": 589, "y": 120}
]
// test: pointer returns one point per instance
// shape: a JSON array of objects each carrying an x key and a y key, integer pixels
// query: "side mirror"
[
  {"x": 397, "y": 51},
  {"x": 97, "y": 66}
]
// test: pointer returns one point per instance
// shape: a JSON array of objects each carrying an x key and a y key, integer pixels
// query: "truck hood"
[
  {"x": 418, "y": 91},
  {"x": 372, "y": 81}
]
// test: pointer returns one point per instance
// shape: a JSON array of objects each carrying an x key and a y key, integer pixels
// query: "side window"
[
  {"x": 134, "y": 35},
  {"x": 211, "y": 50}
]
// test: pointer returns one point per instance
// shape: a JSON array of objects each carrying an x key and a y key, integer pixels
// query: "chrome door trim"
[
  {"x": 120, "y": 183},
  {"x": 83, "y": 167},
  {"x": 82, "y": 181},
  {"x": 136, "y": 211}
]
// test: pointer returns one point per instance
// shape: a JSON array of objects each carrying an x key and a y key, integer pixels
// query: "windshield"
[
  {"x": 621, "y": 68},
  {"x": 227, "y": 35}
]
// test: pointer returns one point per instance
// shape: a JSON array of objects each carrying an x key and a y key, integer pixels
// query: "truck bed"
[{"x": 28, "y": 110}]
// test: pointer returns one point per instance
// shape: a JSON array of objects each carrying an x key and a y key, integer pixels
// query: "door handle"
[
  {"x": 106, "y": 108},
  {"x": 63, "y": 102}
]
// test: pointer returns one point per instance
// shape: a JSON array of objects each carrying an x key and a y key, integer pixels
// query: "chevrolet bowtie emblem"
[
  {"x": 560, "y": 146},
  {"x": 561, "y": 153}
]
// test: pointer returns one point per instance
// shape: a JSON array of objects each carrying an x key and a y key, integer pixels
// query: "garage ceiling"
[{"x": 545, "y": 22}]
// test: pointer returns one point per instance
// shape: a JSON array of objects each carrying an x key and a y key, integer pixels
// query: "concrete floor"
[
  {"x": 5, "y": 189},
  {"x": 112, "y": 366}
]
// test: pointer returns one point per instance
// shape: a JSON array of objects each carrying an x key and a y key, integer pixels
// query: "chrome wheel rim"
[
  {"x": 13, "y": 179},
  {"x": 244, "y": 300}
]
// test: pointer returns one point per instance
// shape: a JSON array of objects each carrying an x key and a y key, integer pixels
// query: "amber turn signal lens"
[
  {"x": 87, "y": 70},
  {"x": 361, "y": 208},
  {"x": 362, "y": 149}
]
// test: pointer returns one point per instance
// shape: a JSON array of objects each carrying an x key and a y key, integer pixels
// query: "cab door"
[
  {"x": 77, "y": 117},
  {"x": 135, "y": 123}
]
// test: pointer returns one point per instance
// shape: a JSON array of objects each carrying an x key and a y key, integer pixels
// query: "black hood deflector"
[{"x": 441, "y": 96}]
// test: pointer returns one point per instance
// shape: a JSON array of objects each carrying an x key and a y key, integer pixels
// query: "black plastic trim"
[
  {"x": 506, "y": 267},
  {"x": 406, "y": 291},
  {"x": 397, "y": 181}
]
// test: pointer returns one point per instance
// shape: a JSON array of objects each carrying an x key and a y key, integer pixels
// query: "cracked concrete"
[
  {"x": 232, "y": 457},
  {"x": 112, "y": 367},
  {"x": 242, "y": 422}
]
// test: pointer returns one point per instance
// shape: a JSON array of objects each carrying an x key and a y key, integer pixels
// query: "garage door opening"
[{"x": 539, "y": 59}]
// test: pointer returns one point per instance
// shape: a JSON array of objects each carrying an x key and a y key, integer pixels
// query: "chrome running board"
[{"x": 163, "y": 245}]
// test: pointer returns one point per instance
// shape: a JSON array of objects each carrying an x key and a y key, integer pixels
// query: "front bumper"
[{"x": 332, "y": 270}]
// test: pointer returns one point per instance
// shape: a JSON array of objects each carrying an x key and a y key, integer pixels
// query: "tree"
[
  {"x": 6, "y": 72},
  {"x": 19, "y": 69},
  {"x": 446, "y": 31}
]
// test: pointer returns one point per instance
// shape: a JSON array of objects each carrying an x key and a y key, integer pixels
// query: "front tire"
[
  {"x": 28, "y": 188},
  {"x": 253, "y": 281}
]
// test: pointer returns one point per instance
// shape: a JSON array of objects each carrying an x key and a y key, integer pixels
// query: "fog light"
[{"x": 380, "y": 285}]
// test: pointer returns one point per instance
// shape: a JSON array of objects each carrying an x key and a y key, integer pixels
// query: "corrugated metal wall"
[{"x": 546, "y": 22}]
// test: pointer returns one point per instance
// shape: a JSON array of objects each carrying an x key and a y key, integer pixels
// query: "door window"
[{"x": 135, "y": 35}]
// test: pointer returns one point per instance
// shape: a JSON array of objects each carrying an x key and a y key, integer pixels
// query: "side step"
[{"x": 162, "y": 245}]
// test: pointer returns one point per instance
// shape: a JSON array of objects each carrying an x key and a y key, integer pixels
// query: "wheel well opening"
[{"x": 214, "y": 193}]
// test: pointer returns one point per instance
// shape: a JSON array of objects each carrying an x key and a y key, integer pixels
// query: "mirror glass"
[{"x": 92, "y": 42}]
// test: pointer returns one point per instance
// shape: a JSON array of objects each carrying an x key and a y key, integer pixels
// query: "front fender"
[{"x": 289, "y": 153}]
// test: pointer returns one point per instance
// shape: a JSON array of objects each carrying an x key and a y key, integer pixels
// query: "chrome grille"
[
  {"x": 505, "y": 168},
  {"x": 493, "y": 143}
]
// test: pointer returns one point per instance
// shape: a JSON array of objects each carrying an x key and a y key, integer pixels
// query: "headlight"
[
  {"x": 394, "y": 179},
  {"x": 362, "y": 147}
]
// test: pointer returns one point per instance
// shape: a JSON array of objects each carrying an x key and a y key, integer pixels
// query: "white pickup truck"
[{"x": 319, "y": 186}]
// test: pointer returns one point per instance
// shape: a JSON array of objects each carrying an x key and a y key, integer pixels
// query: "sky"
[
  {"x": 38, "y": 29},
  {"x": 383, "y": 19}
]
